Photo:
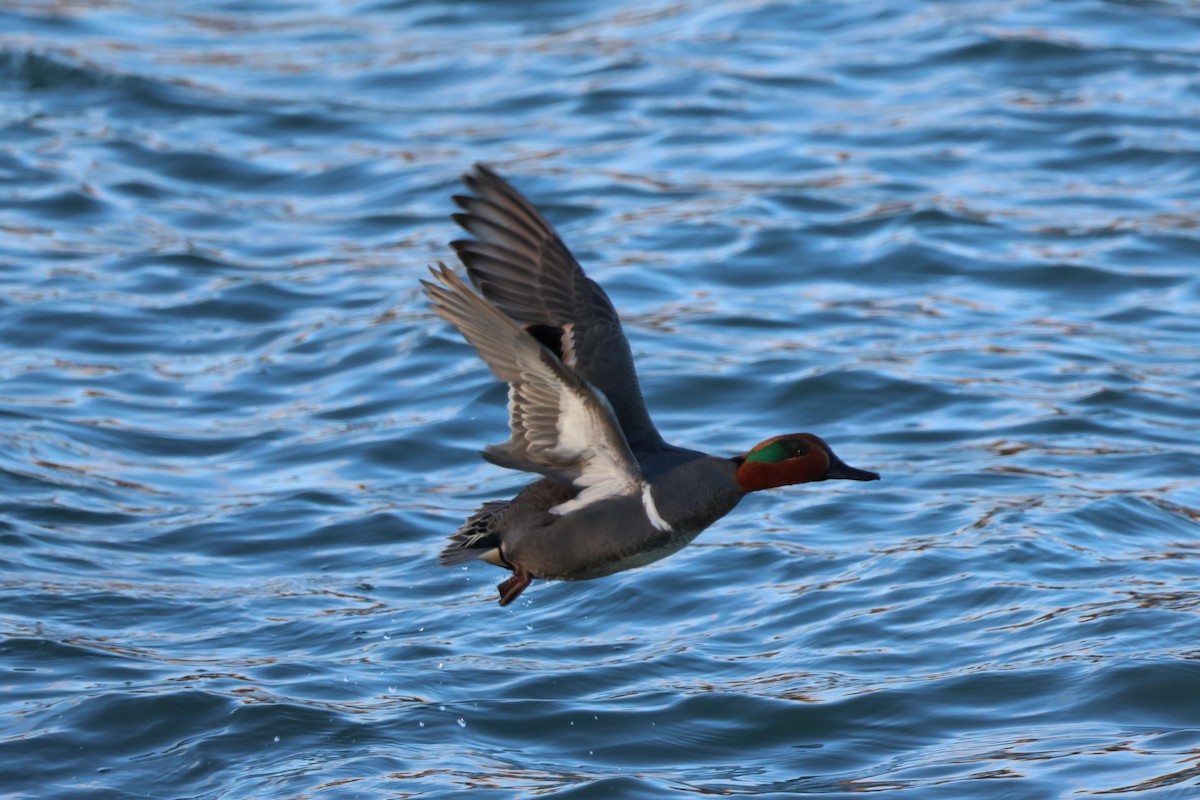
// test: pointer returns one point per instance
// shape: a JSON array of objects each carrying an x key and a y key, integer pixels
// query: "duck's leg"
[{"x": 511, "y": 589}]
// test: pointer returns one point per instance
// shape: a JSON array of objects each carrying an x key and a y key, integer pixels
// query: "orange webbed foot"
[{"x": 511, "y": 589}]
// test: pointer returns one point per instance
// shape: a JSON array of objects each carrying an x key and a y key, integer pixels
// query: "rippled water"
[{"x": 959, "y": 240}]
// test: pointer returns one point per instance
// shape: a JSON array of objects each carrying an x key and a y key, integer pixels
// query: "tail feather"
[
  {"x": 475, "y": 538},
  {"x": 461, "y": 554}
]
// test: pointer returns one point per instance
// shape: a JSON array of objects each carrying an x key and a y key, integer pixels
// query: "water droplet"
[
  {"x": 422, "y": 724},
  {"x": 462, "y": 723},
  {"x": 277, "y": 738}
]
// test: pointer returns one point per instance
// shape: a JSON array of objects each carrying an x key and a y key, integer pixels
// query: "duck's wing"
[
  {"x": 520, "y": 264},
  {"x": 561, "y": 427}
]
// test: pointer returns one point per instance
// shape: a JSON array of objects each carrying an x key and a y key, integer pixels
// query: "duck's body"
[
  {"x": 614, "y": 495},
  {"x": 609, "y": 535}
]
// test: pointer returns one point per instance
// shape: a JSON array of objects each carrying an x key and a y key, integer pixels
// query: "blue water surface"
[{"x": 959, "y": 240}]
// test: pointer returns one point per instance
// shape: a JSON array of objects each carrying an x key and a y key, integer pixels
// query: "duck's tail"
[{"x": 477, "y": 538}]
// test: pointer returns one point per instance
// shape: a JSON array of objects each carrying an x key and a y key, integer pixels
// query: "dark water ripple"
[{"x": 959, "y": 240}]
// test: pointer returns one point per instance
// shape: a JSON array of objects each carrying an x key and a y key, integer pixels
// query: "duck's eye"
[{"x": 779, "y": 450}]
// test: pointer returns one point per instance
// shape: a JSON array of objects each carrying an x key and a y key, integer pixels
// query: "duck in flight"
[{"x": 613, "y": 495}]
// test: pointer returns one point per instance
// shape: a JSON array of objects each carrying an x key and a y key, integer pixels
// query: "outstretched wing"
[
  {"x": 561, "y": 427},
  {"x": 522, "y": 266}
]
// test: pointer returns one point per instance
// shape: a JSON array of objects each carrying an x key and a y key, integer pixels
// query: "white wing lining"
[{"x": 561, "y": 425}]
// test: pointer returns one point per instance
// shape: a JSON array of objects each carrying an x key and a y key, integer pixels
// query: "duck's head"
[{"x": 794, "y": 458}]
